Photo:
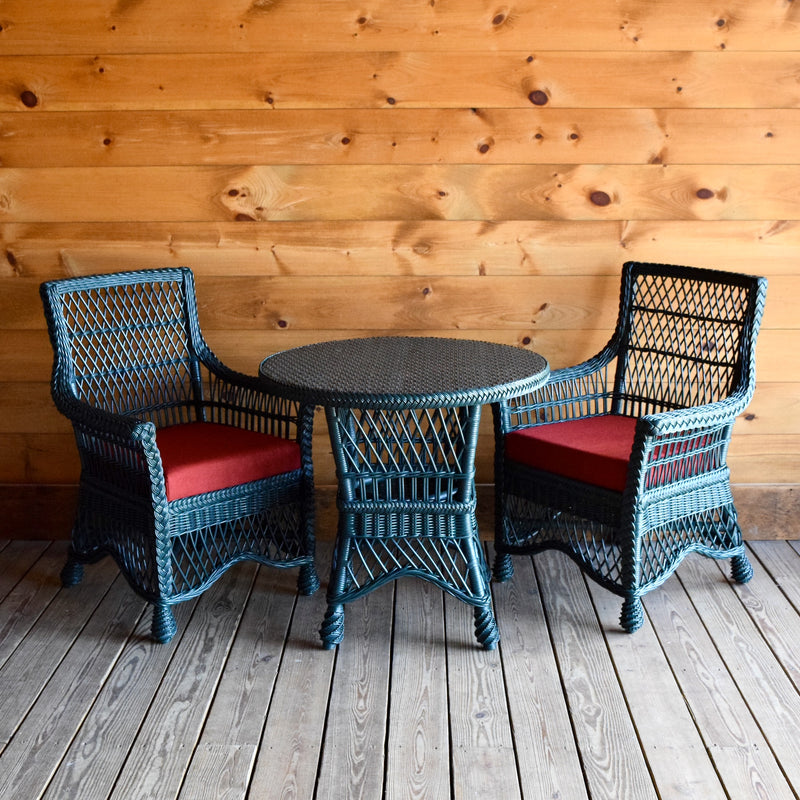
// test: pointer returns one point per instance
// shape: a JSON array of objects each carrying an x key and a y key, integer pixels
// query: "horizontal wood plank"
[
  {"x": 104, "y": 26},
  {"x": 412, "y": 247},
  {"x": 523, "y": 78},
  {"x": 401, "y": 192},
  {"x": 400, "y": 136}
]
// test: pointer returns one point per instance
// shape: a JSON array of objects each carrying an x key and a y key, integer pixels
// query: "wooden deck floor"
[{"x": 702, "y": 702}]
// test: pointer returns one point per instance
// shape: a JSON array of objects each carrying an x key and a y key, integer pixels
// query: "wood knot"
[
  {"x": 704, "y": 194},
  {"x": 29, "y": 99},
  {"x": 600, "y": 198},
  {"x": 538, "y": 97}
]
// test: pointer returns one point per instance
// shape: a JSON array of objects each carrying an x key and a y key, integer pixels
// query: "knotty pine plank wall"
[{"x": 450, "y": 167}]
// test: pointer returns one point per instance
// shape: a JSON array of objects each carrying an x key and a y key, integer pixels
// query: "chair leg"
[
  {"x": 486, "y": 628},
  {"x": 503, "y": 569},
  {"x": 741, "y": 569},
  {"x": 307, "y": 580},
  {"x": 332, "y": 630},
  {"x": 72, "y": 573},
  {"x": 164, "y": 626},
  {"x": 632, "y": 616}
]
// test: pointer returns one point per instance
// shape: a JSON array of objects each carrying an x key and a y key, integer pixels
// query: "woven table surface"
[{"x": 403, "y": 372}]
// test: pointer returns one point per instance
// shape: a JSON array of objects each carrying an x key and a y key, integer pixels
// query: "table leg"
[{"x": 406, "y": 503}]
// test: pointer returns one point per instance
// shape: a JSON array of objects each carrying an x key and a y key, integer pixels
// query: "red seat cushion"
[
  {"x": 594, "y": 450},
  {"x": 201, "y": 457}
]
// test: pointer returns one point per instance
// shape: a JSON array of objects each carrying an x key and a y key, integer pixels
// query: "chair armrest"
[
  {"x": 116, "y": 451},
  {"x": 233, "y": 398},
  {"x": 710, "y": 415},
  {"x": 685, "y": 444},
  {"x": 104, "y": 423},
  {"x": 571, "y": 392}
]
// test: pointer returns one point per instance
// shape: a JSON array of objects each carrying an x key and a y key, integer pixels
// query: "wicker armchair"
[
  {"x": 187, "y": 467},
  {"x": 620, "y": 461}
]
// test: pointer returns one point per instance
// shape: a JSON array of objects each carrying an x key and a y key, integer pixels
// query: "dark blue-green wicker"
[
  {"x": 129, "y": 359},
  {"x": 403, "y": 415},
  {"x": 681, "y": 360}
]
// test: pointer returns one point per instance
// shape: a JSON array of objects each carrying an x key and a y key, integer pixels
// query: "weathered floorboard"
[
  {"x": 606, "y": 735},
  {"x": 731, "y": 735},
  {"x": 701, "y": 703}
]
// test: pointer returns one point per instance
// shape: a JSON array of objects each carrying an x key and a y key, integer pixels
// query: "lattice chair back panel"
[
  {"x": 129, "y": 351},
  {"x": 685, "y": 340}
]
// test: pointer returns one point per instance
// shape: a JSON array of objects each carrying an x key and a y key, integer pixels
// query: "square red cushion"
[
  {"x": 594, "y": 450},
  {"x": 201, "y": 457}
]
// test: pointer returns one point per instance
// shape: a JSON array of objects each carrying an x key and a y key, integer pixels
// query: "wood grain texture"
[
  {"x": 117, "y": 712},
  {"x": 28, "y": 598},
  {"x": 411, "y": 304},
  {"x": 670, "y": 677},
  {"x": 352, "y": 763},
  {"x": 404, "y": 79},
  {"x": 289, "y": 755},
  {"x": 40, "y": 744},
  {"x": 245, "y": 350},
  {"x": 482, "y": 754},
  {"x": 34, "y": 663},
  {"x": 771, "y": 602},
  {"x": 596, "y": 706},
  {"x": 765, "y": 686},
  {"x": 404, "y": 247},
  {"x": 176, "y": 719},
  {"x": 417, "y": 742},
  {"x": 743, "y": 758},
  {"x": 452, "y": 168},
  {"x": 243, "y": 26},
  {"x": 546, "y": 753},
  {"x": 18, "y": 559},
  {"x": 401, "y": 192},
  {"x": 400, "y": 136},
  {"x": 671, "y": 741}
]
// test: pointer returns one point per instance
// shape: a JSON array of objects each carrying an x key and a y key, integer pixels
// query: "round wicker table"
[{"x": 403, "y": 416}]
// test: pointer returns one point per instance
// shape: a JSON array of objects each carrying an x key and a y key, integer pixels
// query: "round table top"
[{"x": 403, "y": 372}]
